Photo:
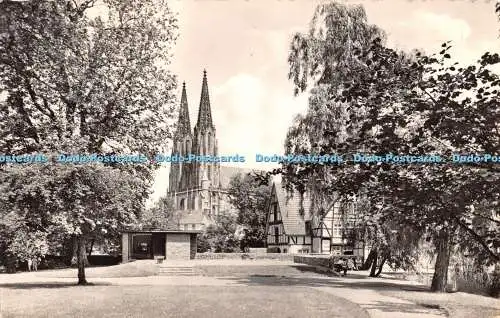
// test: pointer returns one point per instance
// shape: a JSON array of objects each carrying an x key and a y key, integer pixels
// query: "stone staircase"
[{"x": 177, "y": 270}]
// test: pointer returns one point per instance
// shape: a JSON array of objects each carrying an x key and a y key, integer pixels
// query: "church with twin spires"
[{"x": 199, "y": 189}]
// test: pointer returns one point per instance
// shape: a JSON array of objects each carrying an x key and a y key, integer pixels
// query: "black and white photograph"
[{"x": 249, "y": 158}]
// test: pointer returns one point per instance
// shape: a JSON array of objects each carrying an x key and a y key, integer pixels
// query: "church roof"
[{"x": 290, "y": 209}]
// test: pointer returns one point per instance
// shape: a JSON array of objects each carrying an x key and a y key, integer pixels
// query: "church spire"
[
  {"x": 183, "y": 124},
  {"x": 204, "y": 112}
]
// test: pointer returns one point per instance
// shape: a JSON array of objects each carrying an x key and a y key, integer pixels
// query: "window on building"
[
  {"x": 185, "y": 226},
  {"x": 182, "y": 204},
  {"x": 193, "y": 226},
  {"x": 308, "y": 228},
  {"x": 276, "y": 235},
  {"x": 275, "y": 211},
  {"x": 209, "y": 141}
]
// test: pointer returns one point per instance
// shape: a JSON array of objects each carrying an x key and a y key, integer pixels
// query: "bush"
[
  {"x": 202, "y": 244},
  {"x": 219, "y": 238},
  {"x": 273, "y": 250},
  {"x": 479, "y": 282},
  {"x": 104, "y": 260},
  {"x": 52, "y": 263},
  {"x": 494, "y": 289}
]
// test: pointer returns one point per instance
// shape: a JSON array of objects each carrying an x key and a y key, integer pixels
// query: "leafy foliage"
[
  {"x": 251, "y": 198},
  {"x": 384, "y": 101},
  {"x": 219, "y": 237},
  {"x": 497, "y": 9},
  {"x": 29, "y": 245},
  {"x": 77, "y": 83},
  {"x": 70, "y": 199},
  {"x": 81, "y": 79},
  {"x": 160, "y": 216},
  {"x": 335, "y": 30}
]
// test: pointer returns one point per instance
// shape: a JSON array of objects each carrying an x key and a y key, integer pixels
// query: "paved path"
[
  {"x": 380, "y": 306},
  {"x": 354, "y": 288}
]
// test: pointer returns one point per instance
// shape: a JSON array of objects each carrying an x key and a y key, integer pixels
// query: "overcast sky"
[{"x": 243, "y": 45}]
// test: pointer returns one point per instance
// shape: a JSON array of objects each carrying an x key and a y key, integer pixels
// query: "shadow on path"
[
  {"x": 355, "y": 288},
  {"x": 350, "y": 281},
  {"x": 49, "y": 285},
  {"x": 409, "y": 308}
]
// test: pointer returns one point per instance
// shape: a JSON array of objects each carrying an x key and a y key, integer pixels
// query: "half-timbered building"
[
  {"x": 338, "y": 231},
  {"x": 293, "y": 228}
]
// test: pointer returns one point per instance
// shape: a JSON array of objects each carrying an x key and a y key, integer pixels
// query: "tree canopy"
[
  {"x": 376, "y": 100},
  {"x": 251, "y": 198},
  {"x": 82, "y": 78}
]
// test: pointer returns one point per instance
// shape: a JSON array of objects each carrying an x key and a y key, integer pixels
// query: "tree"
[
  {"x": 497, "y": 9},
  {"x": 81, "y": 201},
  {"x": 323, "y": 58},
  {"x": 77, "y": 83},
  {"x": 397, "y": 103},
  {"x": 334, "y": 32},
  {"x": 251, "y": 199},
  {"x": 219, "y": 237},
  {"x": 391, "y": 243},
  {"x": 161, "y": 215},
  {"x": 18, "y": 241},
  {"x": 449, "y": 122}
]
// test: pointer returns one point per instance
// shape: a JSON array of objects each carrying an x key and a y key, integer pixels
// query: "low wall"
[
  {"x": 313, "y": 260},
  {"x": 274, "y": 256},
  {"x": 258, "y": 250}
]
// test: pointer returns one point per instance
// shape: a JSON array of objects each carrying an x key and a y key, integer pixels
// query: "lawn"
[
  {"x": 173, "y": 301},
  {"x": 132, "y": 269},
  {"x": 252, "y": 270}
]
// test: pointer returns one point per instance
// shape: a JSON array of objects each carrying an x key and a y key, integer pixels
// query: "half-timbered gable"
[{"x": 288, "y": 218}]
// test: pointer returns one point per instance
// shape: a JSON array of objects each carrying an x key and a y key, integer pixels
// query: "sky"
[{"x": 243, "y": 45}]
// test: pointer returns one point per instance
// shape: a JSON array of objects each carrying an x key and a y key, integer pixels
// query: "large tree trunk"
[
  {"x": 374, "y": 264},
  {"x": 369, "y": 259},
  {"x": 82, "y": 257},
  {"x": 91, "y": 247},
  {"x": 440, "y": 278},
  {"x": 381, "y": 266}
]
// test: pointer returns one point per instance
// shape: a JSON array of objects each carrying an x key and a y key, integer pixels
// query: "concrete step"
[{"x": 177, "y": 271}]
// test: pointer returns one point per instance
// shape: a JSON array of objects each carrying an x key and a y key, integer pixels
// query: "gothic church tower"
[
  {"x": 195, "y": 185},
  {"x": 205, "y": 141},
  {"x": 179, "y": 172}
]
